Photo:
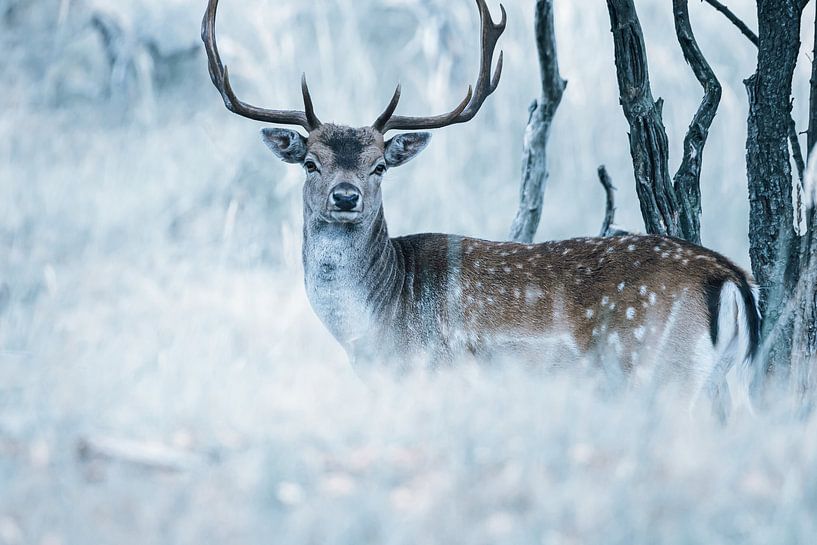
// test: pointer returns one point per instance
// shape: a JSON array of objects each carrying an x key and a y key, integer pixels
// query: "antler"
[
  {"x": 218, "y": 73},
  {"x": 468, "y": 108}
]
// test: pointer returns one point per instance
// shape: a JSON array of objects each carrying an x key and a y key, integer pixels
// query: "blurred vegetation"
[{"x": 162, "y": 378}]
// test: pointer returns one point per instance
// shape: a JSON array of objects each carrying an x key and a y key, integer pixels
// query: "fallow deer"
[{"x": 669, "y": 311}]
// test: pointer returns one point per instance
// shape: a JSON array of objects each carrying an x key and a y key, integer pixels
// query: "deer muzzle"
[{"x": 345, "y": 197}]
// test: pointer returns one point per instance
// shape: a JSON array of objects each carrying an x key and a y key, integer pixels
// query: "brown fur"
[
  {"x": 587, "y": 288},
  {"x": 345, "y": 148}
]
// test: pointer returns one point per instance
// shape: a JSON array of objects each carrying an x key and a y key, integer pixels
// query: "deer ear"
[
  {"x": 287, "y": 145},
  {"x": 405, "y": 147}
]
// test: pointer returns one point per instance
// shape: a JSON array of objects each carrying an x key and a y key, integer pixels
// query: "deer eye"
[
  {"x": 380, "y": 170},
  {"x": 310, "y": 166}
]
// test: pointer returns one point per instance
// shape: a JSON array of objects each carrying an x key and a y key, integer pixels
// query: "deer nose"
[{"x": 345, "y": 196}]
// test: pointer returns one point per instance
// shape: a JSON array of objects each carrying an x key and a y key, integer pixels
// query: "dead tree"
[
  {"x": 804, "y": 338},
  {"x": 542, "y": 112},
  {"x": 803, "y": 304},
  {"x": 774, "y": 242},
  {"x": 783, "y": 262},
  {"x": 794, "y": 140},
  {"x": 608, "y": 226},
  {"x": 812, "y": 118},
  {"x": 669, "y": 206}
]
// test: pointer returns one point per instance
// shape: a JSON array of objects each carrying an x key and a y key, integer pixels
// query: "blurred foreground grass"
[{"x": 162, "y": 378}]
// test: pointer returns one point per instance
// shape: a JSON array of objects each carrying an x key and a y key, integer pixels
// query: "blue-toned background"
[{"x": 162, "y": 377}]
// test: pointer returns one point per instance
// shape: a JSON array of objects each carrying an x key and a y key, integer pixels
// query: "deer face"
[{"x": 344, "y": 167}]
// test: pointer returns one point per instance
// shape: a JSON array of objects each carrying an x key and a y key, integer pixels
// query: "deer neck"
[{"x": 351, "y": 272}]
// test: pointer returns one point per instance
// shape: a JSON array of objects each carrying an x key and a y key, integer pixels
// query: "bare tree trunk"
[
  {"x": 812, "y": 119},
  {"x": 804, "y": 340},
  {"x": 668, "y": 208},
  {"x": 688, "y": 177},
  {"x": 648, "y": 138},
  {"x": 542, "y": 112},
  {"x": 774, "y": 244},
  {"x": 804, "y": 310},
  {"x": 794, "y": 141}
]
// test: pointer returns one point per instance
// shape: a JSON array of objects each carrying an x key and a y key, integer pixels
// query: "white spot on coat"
[
  {"x": 533, "y": 294},
  {"x": 630, "y": 313}
]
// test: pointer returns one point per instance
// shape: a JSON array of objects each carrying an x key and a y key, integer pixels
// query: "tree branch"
[
  {"x": 688, "y": 178},
  {"x": 667, "y": 208},
  {"x": 608, "y": 227},
  {"x": 610, "y": 208},
  {"x": 542, "y": 112},
  {"x": 794, "y": 140},
  {"x": 735, "y": 21}
]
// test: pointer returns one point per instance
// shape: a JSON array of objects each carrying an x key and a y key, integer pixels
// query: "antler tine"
[
  {"x": 487, "y": 83},
  {"x": 309, "y": 109},
  {"x": 381, "y": 121},
  {"x": 220, "y": 77}
]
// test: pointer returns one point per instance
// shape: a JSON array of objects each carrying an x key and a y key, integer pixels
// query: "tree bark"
[
  {"x": 648, "y": 138},
  {"x": 794, "y": 139},
  {"x": 804, "y": 340},
  {"x": 668, "y": 208},
  {"x": 542, "y": 112},
  {"x": 688, "y": 177},
  {"x": 607, "y": 228},
  {"x": 804, "y": 312},
  {"x": 774, "y": 244},
  {"x": 812, "y": 120}
]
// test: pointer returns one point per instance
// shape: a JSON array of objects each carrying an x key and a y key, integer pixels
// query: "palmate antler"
[
  {"x": 468, "y": 108},
  {"x": 465, "y": 111}
]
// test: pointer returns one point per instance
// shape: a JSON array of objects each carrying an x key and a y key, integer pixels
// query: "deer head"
[{"x": 344, "y": 165}]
